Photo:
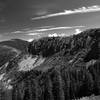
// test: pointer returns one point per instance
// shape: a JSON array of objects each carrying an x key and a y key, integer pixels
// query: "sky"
[{"x": 32, "y": 19}]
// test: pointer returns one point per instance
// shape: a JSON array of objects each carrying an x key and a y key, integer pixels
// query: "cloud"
[
  {"x": 57, "y": 35},
  {"x": 57, "y": 28},
  {"x": 53, "y": 35},
  {"x": 41, "y": 12},
  {"x": 77, "y": 31},
  {"x": 45, "y": 30},
  {"x": 45, "y": 27},
  {"x": 30, "y": 40},
  {"x": 30, "y": 30},
  {"x": 17, "y": 32},
  {"x": 41, "y": 30},
  {"x": 94, "y": 8},
  {"x": 32, "y": 33}
]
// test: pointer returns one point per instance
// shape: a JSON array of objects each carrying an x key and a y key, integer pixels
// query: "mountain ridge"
[
  {"x": 70, "y": 69},
  {"x": 11, "y": 48}
]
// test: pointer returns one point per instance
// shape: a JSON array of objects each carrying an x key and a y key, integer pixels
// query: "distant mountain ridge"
[
  {"x": 11, "y": 48},
  {"x": 16, "y": 43},
  {"x": 55, "y": 68}
]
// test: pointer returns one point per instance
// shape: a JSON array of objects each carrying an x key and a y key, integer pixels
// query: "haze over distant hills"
[{"x": 11, "y": 48}]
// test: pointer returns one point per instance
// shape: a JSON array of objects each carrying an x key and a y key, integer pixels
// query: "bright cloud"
[
  {"x": 57, "y": 35},
  {"x": 43, "y": 29},
  {"x": 94, "y": 8},
  {"x": 77, "y": 31},
  {"x": 30, "y": 40},
  {"x": 32, "y": 33},
  {"x": 57, "y": 28},
  {"x": 53, "y": 35}
]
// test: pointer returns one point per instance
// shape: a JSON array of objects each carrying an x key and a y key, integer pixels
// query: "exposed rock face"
[{"x": 55, "y": 69}]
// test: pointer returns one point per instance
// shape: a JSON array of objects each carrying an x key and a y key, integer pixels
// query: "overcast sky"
[{"x": 27, "y": 19}]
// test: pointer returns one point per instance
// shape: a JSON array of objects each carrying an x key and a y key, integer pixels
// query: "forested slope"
[{"x": 61, "y": 69}]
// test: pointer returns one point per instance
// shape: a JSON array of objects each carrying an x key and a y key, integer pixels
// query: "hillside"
[
  {"x": 11, "y": 48},
  {"x": 55, "y": 68},
  {"x": 17, "y": 44}
]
